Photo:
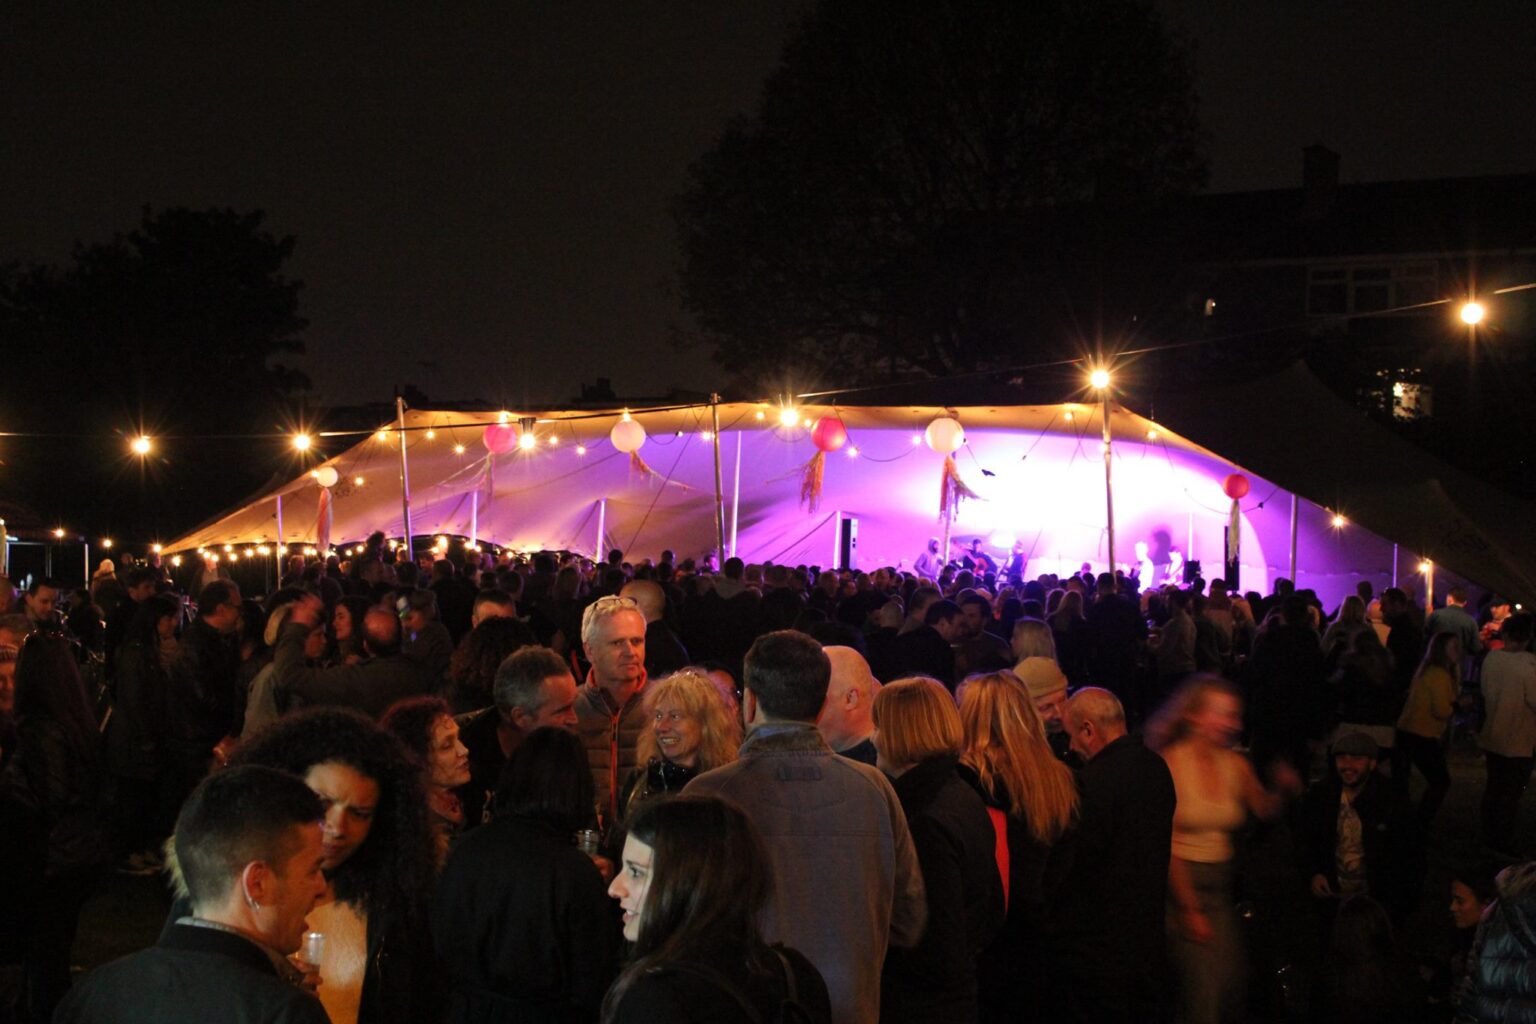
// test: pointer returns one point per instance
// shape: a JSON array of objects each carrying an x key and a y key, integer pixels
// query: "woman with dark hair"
[
  {"x": 426, "y": 727},
  {"x": 378, "y": 964},
  {"x": 347, "y": 630},
  {"x": 136, "y": 734},
  {"x": 54, "y": 778},
  {"x": 521, "y": 921},
  {"x": 472, "y": 670},
  {"x": 1365, "y": 978},
  {"x": 693, "y": 882}
]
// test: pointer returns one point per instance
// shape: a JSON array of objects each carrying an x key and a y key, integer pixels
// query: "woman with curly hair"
[
  {"x": 378, "y": 964},
  {"x": 347, "y": 630},
  {"x": 426, "y": 727},
  {"x": 690, "y": 732},
  {"x": 472, "y": 669}
]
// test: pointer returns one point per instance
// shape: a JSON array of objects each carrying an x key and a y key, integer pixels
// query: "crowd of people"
[{"x": 537, "y": 788}]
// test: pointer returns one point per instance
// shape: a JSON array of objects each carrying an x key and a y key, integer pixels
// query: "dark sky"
[{"x": 480, "y": 192}]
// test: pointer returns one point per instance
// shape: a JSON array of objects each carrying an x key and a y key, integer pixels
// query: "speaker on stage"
[{"x": 847, "y": 548}]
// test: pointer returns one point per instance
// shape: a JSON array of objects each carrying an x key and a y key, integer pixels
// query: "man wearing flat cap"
[{"x": 1359, "y": 835}]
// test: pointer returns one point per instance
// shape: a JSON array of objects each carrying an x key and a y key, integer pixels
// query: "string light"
[
  {"x": 789, "y": 416},
  {"x": 431, "y": 435},
  {"x": 263, "y": 550},
  {"x": 1338, "y": 521},
  {"x": 527, "y": 441},
  {"x": 1099, "y": 379},
  {"x": 1152, "y": 435},
  {"x": 458, "y": 449},
  {"x": 155, "y": 548},
  {"x": 853, "y": 451},
  {"x": 228, "y": 548},
  {"x": 301, "y": 442},
  {"x": 141, "y": 445},
  {"x": 176, "y": 561},
  {"x": 1472, "y": 313},
  {"x": 917, "y": 439},
  {"x": 106, "y": 542},
  {"x": 503, "y": 416},
  {"x": 234, "y": 556},
  {"x": 554, "y": 440},
  {"x": 706, "y": 435},
  {"x": 1424, "y": 566},
  {"x": 357, "y": 481},
  {"x": 214, "y": 559},
  {"x": 1068, "y": 415},
  {"x": 581, "y": 449},
  {"x": 761, "y": 415}
]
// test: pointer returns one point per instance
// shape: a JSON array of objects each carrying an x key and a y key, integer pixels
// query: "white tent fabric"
[{"x": 1038, "y": 471}]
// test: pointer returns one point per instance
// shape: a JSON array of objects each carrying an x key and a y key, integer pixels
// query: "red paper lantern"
[
  {"x": 1236, "y": 486},
  {"x": 829, "y": 434},
  {"x": 500, "y": 437}
]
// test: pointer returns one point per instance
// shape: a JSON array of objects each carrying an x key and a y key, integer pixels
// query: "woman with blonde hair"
[
  {"x": 1216, "y": 789},
  {"x": 918, "y": 743},
  {"x": 689, "y": 731},
  {"x": 1033, "y": 796}
]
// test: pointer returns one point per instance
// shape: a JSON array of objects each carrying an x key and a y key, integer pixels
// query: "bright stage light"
[
  {"x": 1472, "y": 313},
  {"x": 1099, "y": 379},
  {"x": 141, "y": 445},
  {"x": 302, "y": 442}
]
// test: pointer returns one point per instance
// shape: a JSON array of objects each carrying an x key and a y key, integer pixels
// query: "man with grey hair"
[
  {"x": 533, "y": 688},
  {"x": 1108, "y": 921},
  {"x": 608, "y": 712}
]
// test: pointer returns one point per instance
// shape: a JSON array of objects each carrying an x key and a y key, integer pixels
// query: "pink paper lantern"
[
  {"x": 500, "y": 437},
  {"x": 829, "y": 434}
]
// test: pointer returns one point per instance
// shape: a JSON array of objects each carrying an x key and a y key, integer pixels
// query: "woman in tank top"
[{"x": 1217, "y": 790}]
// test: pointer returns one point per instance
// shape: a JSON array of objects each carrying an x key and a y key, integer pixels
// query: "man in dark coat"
[
  {"x": 205, "y": 690},
  {"x": 370, "y": 686},
  {"x": 1288, "y": 702},
  {"x": 248, "y": 846},
  {"x": 1361, "y": 834},
  {"x": 926, "y": 650},
  {"x": 1107, "y": 930},
  {"x": 1115, "y": 632}
]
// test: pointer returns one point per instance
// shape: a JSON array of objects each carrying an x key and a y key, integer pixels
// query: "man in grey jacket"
[{"x": 846, "y": 878}]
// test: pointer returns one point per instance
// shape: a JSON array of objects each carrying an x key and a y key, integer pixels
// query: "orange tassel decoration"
[
  {"x": 637, "y": 465},
  {"x": 952, "y": 489},
  {"x": 810, "y": 481}
]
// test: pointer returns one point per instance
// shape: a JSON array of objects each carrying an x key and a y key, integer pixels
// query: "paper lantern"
[
  {"x": 499, "y": 437},
  {"x": 1236, "y": 486},
  {"x": 326, "y": 476},
  {"x": 829, "y": 434},
  {"x": 945, "y": 435},
  {"x": 627, "y": 436}
]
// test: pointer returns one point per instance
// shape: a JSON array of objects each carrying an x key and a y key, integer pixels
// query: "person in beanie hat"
[{"x": 1359, "y": 834}]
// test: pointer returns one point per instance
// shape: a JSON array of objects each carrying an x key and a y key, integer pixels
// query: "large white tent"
[{"x": 1037, "y": 472}]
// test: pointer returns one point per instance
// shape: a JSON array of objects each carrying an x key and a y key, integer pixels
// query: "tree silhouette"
[
  {"x": 893, "y": 205},
  {"x": 174, "y": 328}
]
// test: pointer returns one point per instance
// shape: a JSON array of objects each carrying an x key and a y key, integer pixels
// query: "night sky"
[{"x": 480, "y": 196}]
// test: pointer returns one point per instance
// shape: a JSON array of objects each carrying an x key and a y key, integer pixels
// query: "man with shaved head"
[
  {"x": 369, "y": 686},
  {"x": 847, "y": 722},
  {"x": 664, "y": 651},
  {"x": 1109, "y": 917}
]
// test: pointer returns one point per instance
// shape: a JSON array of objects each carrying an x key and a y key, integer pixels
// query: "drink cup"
[{"x": 313, "y": 949}]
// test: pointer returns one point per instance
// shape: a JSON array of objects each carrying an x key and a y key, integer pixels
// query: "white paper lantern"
[
  {"x": 326, "y": 476},
  {"x": 627, "y": 436},
  {"x": 945, "y": 435}
]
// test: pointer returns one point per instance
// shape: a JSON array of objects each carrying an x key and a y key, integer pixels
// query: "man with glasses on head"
[{"x": 608, "y": 713}]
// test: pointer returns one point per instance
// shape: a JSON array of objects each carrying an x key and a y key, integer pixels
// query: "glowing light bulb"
[
  {"x": 141, "y": 445},
  {"x": 526, "y": 441},
  {"x": 431, "y": 435},
  {"x": 503, "y": 416},
  {"x": 228, "y": 548},
  {"x": 106, "y": 542},
  {"x": 458, "y": 449},
  {"x": 1472, "y": 313},
  {"x": 581, "y": 449},
  {"x": 917, "y": 439},
  {"x": 358, "y": 481},
  {"x": 554, "y": 440},
  {"x": 1338, "y": 521},
  {"x": 234, "y": 556},
  {"x": 262, "y": 549},
  {"x": 789, "y": 416},
  {"x": 1151, "y": 435},
  {"x": 1099, "y": 379},
  {"x": 707, "y": 435},
  {"x": 761, "y": 415},
  {"x": 302, "y": 442},
  {"x": 155, "y": 548},
  {"x": 382, "y": 435},
  {"x": 853, "y": 451},
  {"x": 1424, "y": 566},
  {"x": 176, "y": 561},
  {"x": 1068, "y": 416},
  {"x": 214, "y": 559}
]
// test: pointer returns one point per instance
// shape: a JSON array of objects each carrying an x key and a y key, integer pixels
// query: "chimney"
[{"x": 1319, "y": 181}]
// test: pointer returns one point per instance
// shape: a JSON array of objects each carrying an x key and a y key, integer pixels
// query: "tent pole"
[
  {"x": 1109, "y": 490},
  {"x": 5, "y": 550},
  {"x": 277, "y": 559},
  {"x": 474, "y": 516},
  {"x": 714, "y": 419},
  {"x": 87, "y": 546},
  {"x": 1295, "y": 518},
  {"x": 1394, "y": 564},
  {"x": 602, "y": 517},
  {"x": 405, "y": 478},
  {"x": 1429, "y": 586},
  {"x": 736, "y": 499}
]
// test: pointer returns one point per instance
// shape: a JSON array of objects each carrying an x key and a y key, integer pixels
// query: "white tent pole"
[
  {"x": 1109, "y": 489},
  {"x": 602, "y": 522},
  {"x": 714, "y": 419},
  {"x": 1394, "y": 564},
  {"x": 1429, "y": 586},
  {"x": 474, "y": 516},
  {"x": 405, "y": 478},
  {"x": 87, "y": 564},
  {"x": 1295, "y": 520},
  {"x": 736, "y": 499},
  {"x": 5, "y": 550},
  {"x": 277, "y": 559}
]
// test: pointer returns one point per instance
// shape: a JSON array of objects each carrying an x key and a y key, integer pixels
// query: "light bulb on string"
[
  {"x": 1472, "y": 312},
  {"x": 302, "y": 442},
  {"x": 431, "y": 434},
  {"x": 458, "y": 449},
  {"x": 1099, "y": 379},
  {"x": 141, "y": 445}
]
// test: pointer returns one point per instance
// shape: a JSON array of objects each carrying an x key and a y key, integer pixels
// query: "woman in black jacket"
[
  {"x": 918, "y": 743},
  {"x": 1501, "y": 975},
  {"x": 54, "y": 779},
  {"x": 692, "y": 881},
  {"x": 136, "y": 733},
  {"x": 521, "y": 922}
]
